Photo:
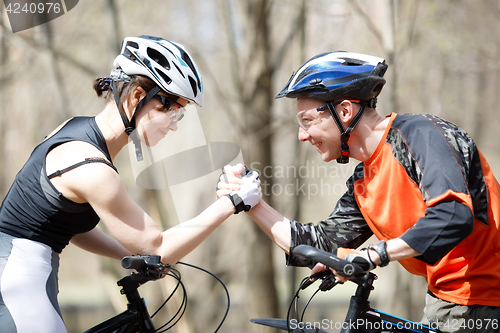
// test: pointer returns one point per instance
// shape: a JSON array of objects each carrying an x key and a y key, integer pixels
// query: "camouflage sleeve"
[{"x": 345, "y": 227}]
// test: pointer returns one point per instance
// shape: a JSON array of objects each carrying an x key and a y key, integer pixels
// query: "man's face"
[{"x": 318, "y": 127}]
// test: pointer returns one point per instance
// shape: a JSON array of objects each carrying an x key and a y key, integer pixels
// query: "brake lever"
[
  {"x": 313, "y": 278},
  {"x": 328, "y": 283}
]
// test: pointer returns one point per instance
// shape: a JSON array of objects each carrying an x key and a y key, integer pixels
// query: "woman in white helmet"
[{"x": 69, "y": 183}]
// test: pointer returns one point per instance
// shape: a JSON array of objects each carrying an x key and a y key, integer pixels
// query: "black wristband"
[
  {"x": 381, "y": 249},
  {"x": 238, "y": 203}
]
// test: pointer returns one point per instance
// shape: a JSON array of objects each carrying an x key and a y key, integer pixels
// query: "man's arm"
[
  {"x": 397, "y": 249},
  {"x": 344, "y": 227},
  {"x": 275, "y": 225}
]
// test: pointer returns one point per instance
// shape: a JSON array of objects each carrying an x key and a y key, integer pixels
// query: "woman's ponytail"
[{"x": 102, "y": 84}]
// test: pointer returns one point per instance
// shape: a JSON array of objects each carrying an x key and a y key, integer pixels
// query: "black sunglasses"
[{"x": 168, "y": 102}]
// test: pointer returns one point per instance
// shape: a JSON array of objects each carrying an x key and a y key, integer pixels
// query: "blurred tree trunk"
[
  {"x": 62, "y": 101},
  {"x": 300, "y": 152},
  {"x": 256, "y": 105},
  {"x": 254, "y": 61},
  {"x": 389, "y": 43},
  {"x": 113, "y": 26}
]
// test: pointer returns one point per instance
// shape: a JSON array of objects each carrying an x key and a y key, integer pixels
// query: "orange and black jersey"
[{"x": 428, "y": 184}]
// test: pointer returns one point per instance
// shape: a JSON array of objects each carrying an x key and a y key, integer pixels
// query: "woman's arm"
[
  {"x": 98, "y": 242},
  {"x": 178, "y": 241},
  {"x": 103, "y": 189},
  {"x": 136, "y": 230}
]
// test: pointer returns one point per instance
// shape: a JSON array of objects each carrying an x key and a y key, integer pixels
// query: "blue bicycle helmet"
[{"x": 338, "y": 76}]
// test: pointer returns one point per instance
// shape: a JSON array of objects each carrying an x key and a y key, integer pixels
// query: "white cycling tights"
[{"x": 28, "y": 287}]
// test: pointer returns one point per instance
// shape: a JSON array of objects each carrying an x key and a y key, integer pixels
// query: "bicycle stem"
[
  {"x": 358, "y": 303},
  {"x": 136, "y": 304}
]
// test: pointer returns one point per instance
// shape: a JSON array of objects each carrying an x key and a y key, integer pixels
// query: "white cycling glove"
[{"x": 249, "y": 193}]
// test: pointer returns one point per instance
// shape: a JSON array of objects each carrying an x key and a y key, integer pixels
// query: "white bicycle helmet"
[{"x": 166, "y": 63}]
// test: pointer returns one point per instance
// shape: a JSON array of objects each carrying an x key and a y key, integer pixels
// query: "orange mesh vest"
[{"x": 410, "y": 184}]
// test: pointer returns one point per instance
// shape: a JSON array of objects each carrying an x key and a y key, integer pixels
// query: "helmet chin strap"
[
  {"x": 130, "y": 125},
  {"x": 344, "y": 133}
]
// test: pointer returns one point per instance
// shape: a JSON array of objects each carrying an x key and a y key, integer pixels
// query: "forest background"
[{"x": 443, "y": 59}]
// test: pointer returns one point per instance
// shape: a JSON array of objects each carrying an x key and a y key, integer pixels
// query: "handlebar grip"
[
  {"x": 343, "y": 267},
  {"x": 133, "y": 262}
]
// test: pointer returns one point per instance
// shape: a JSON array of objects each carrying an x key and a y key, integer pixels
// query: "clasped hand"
[{"x": 240, "y": 186}]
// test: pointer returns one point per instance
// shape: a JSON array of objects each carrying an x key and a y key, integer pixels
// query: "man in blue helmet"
[{"x": 422, "y": 188}]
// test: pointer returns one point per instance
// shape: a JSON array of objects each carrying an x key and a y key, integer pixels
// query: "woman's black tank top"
[{"x": 34, "y": 209}]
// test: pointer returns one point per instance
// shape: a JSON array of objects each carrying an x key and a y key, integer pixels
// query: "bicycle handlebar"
[
  {"x": 148, "y": 267},
  {"x": 343, "y": 267},
  {"x": 140, "y": 263},
  {"x": 133, "y": 262}
]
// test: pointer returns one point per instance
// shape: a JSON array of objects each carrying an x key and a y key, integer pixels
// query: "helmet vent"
[
  {"x": 305, "y": 73},
  {"x": 159, "y": 58},
  {"x": 189, "y": 62},
  {"x": 129, "y": 54},
  {"x": 193, "y": 85},
  {"x": 179, "y": 70},
  {"x": 352, "y": 62},
  {"x": 165, "y": 77},
  {"x": 133, "y": 44}
]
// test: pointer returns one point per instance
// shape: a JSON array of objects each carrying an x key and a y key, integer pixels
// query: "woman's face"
[{"x": 154, "y": 121}]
